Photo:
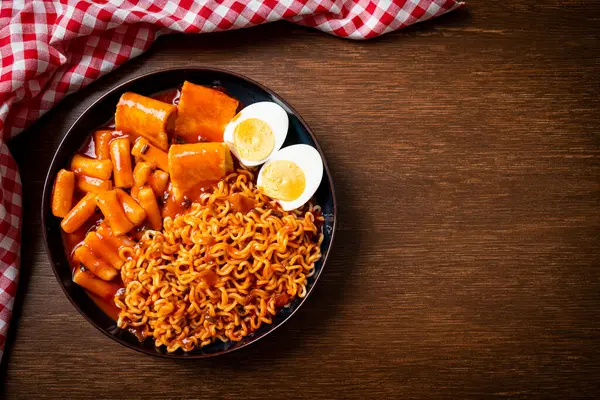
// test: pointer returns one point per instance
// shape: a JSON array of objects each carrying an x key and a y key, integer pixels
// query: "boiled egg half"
[
  {"x": 291, "y": 176},
  {"x": 256, "y": 132}
]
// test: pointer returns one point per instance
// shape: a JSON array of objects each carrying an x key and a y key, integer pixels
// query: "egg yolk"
[
  {"x": 283, "y": 180},
  {"x": 253, "y": 139}
]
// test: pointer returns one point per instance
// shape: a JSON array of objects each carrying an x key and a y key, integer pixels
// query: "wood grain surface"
[{"x": 465, "y": 153}]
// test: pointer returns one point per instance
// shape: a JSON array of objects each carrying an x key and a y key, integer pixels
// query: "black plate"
[{"x": 247, "y": 92}]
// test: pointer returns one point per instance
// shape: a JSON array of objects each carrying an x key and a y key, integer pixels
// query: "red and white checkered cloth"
[{"x": 50, "y": 49}]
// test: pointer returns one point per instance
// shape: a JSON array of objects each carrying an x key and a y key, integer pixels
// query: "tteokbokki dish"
[{"x": 186, "y": 221}]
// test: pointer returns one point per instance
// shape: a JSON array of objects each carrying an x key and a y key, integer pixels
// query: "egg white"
[
  {"x": 308, "y": 159},
  {"x": 272, "y": 114}
]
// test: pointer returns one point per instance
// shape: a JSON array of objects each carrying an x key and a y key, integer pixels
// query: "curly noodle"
[{"x": 216, "y": 273}]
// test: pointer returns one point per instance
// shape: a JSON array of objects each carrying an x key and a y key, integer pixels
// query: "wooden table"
[{"x": 465, "y": 153}]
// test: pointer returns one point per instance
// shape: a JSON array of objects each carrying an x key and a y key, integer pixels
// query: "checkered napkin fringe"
[{"x": 50, "y": 49}]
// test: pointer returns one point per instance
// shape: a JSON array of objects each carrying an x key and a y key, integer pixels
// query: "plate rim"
[{"x": 47, "y": 192}]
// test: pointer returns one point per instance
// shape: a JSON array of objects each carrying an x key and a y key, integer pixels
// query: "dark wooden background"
[{"x": 465, "y": 152}]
